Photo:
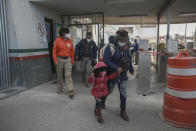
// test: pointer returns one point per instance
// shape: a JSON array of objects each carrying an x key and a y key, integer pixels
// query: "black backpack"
[{"x": 125, "y": 63}]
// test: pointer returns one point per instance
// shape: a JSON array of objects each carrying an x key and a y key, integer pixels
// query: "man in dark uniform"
[{"x": 86, "y": 50}]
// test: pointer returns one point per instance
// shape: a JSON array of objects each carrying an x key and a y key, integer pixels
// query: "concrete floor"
[{"x": 41, "y": 109}]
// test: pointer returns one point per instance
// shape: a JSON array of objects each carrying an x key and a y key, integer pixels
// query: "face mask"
[
  {"x": 102, "y": 73},
  {"x": 67, "y": 35},
  {"x": 121, "y": 44},
  {"x": 88, "y": 40}
]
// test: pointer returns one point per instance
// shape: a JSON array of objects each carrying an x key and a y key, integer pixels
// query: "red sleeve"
[
  {"x": 54, "y": 55},
  {"x": 91, "y": 79},
  {"x": 112, "y": 76},
  {"x": 72, "y": 53}
]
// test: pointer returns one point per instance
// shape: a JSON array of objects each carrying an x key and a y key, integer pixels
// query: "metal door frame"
[
  {"x": 96, "y": 18},
  {"x": 4, "y": 53},
  {"x": 50, "y": 21}
]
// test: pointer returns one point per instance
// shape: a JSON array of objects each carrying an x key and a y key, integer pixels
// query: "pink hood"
[{"x": 100, "y": 64}]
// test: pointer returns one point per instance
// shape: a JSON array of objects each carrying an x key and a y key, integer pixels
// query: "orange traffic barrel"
[{"x": 179, "y": 108}]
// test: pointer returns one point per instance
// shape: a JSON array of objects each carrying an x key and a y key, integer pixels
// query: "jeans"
[{"x": 122, "y": 90}]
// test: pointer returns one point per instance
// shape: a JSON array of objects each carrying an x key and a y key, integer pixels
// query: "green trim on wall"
[{"x": 27, "y": 50}]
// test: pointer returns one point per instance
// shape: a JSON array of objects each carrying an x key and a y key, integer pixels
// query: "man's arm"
[
  {"x": 94, "y": 50},
  {"x": 77, "y": 48},
  {"x": 72, "y": 53},
  {"x": 131, "y": 69},
  {"x": 112, "y": 76}
]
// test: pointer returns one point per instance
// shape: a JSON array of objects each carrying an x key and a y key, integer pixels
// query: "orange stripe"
[{"x": 28, "y": 57}]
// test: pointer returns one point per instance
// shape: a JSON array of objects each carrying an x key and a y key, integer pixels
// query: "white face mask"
[
  {"x": 68, "y": 36},
  {"x": 88, "y": 40},
  {"x": 121, "y": 44}
]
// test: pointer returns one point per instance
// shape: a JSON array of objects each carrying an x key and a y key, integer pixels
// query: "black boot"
[
  {"x": 124, "y": 115},
  {"x": 103, "y": 104},
  {"x": 71, "y": 94},
  {"x": 99, "y": 116}
]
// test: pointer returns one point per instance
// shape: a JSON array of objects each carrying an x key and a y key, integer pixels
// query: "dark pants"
[
  {"x": 98, "y": 102},
  {"x": 136, "y": 57},
  {"x": 122, "y": 90}
]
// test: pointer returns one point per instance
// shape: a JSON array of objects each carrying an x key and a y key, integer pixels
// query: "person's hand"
[
  {"x": 119, "y": 70},
  {"x": 132, "y": 73},
  {"x": 76, "y": 58}
]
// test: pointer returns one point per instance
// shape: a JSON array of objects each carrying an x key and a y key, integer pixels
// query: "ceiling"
[{"x": 126, "y": 11}]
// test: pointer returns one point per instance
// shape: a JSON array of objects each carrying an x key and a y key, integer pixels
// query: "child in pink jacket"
[{"x": 99, "y": 79}]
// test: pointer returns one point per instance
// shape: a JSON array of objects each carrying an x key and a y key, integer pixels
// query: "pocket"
[{"x": 69, "y": 65}]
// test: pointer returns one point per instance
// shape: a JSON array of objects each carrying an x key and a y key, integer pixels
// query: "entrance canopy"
[{"x": 127, "y": 11}]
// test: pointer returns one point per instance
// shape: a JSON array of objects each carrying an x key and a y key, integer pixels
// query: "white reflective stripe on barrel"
[
  {"x": 181, "y": 71},
  {"x": 181, "y": 94}
]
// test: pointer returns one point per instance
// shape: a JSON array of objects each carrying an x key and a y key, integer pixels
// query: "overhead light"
[
  {"x": 148, "y": 25},
  {"x": 187, "y": 14},
  {"x": 135, "y": 15},
  {"x": 121, "y": 1}
]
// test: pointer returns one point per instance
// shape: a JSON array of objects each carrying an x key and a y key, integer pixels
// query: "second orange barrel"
[{"x": 179, "y": 106}]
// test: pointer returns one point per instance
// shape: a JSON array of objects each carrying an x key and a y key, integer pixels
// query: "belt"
[{"x": 62, "y": 57}]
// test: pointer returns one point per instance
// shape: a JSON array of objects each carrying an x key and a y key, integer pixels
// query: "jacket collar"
[{"x": 63, "y": 39}]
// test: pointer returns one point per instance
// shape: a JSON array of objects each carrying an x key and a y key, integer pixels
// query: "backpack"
[
  {"x": 102, "y": 50},
  {"x": 125, "y": 63}
]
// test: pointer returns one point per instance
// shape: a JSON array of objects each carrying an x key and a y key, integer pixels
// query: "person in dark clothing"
[
  {"x": 86, "y": 51},
  {"x": 132, "y": 52},
  {"x": 120, "y": 62},
  {"x": 136, "y": 51}
]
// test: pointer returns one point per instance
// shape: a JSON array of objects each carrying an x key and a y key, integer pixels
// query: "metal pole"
[
  {"x": 4, "y": 57},
  {"x": 168, "y": 25},
  {"x": 1, "y": 42},
  {"x": 157, "y": 56},
  {"x": 2, "y": 46},
  {"x": 103, "y": 26},
  {"x": 7, "y": 47},
  {"x": 185, "y": 36},
  {"x": 82, "y": 31},
  {"x": 62, "y": 20},
  {"x": 70, "y": 20},
  {"x": 98, "y": 33},
  {"x": 195, "y": 39}
]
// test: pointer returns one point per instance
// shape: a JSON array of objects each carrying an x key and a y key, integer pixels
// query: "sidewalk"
[{"x": 41, "y": 109}]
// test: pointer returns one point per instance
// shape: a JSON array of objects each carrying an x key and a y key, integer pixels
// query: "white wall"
[
  {"x": 11, "y": 26},
  {"x": 23, "y": 18}
]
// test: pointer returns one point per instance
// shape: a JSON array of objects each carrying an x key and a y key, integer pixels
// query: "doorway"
[{"x": 50, "y": 38}]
